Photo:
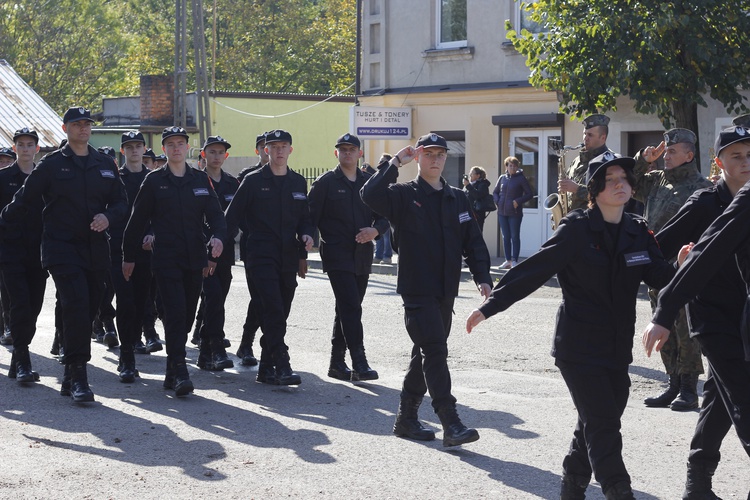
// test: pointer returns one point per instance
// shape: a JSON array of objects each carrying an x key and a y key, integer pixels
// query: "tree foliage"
[
  {"x": 666, "y": 56},
  {"x": 76, "y": 52}
]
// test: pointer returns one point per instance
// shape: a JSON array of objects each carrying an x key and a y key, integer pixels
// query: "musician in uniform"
[{"x": 595, "y": 131}]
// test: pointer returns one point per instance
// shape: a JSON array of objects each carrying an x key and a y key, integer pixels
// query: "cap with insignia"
[
  {"x": 132, "y": 136},
  {"x": 742, "y": 121},
  {"x": 173, "y": 131},
  {"x": 432, "y": 141},
  {"x": 260, "y": 139},
  {"x": 161, "y": 157},
  {"x": 8, "y": 152},
  {"x": 150, "y": 154},
  {"x": 26, "y": 131},
  {"x": 678, "y": 135},
  {"x": 349, "y": 139},
  {"x": 76, "y": 114},
  {"x": 595, "y": 121},
  {"x": 599, "y": 164},
  {"x": 278, "y": 136},
  {"x": 107, "y": 151},
  {"x": 729, "y": 136},
  {"x": 216, "y": 139}
]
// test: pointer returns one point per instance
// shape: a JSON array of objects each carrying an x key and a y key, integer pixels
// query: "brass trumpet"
[{"x": 557, "y": 203}]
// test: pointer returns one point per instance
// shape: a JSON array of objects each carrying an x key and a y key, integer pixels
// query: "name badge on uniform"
[
  {"x": 637, "y": 259},
  {"x": 107, "y": 173},
  {"x": 228, "y": 197},
  {"x": 464, "y": 217},
  {"x": 200, "y": 191},
  {"x": 299, "y": 196}
]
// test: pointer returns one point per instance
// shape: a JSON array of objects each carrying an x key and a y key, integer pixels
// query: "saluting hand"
[
  {"x": 99, "y": 223},
  {"x": 651, "y": 154},
  {"x": 407, "y": 154},
  {"x": 654, "y": 337}
]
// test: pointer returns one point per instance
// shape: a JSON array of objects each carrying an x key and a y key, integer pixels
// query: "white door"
[{"x": 539, "y": 165}]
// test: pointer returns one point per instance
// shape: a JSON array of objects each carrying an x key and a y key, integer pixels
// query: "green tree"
[{"x": 665, "y": 56}]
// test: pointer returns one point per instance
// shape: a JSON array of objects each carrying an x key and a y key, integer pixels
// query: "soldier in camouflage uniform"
[
  {"x": 595, "y": 131},
  {"x": 663, "y": 192},
  {"x": 742, "y": 121}
]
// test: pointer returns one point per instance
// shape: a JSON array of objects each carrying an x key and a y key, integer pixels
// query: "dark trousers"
[
  {"x": 131, "y": 299},
  {"x": 106, "y": 310},
  {"x": 252, "y": 318},
  {"x": 150, "y": 313},
  {"x": 600, "y": 396},
  {"x": 349, "y": 290},
  {"x": 275, "y": 292},
  {"x": 726, "y": 401},
  {"x": 215, "y": 290},
  {"x": 428, "y": 323},
  {"x": 4, "y": 304},
  {"x": 25, "y": 285},
  {"x": 80, "y": 292},
  {"x": 179, "y": 290}
]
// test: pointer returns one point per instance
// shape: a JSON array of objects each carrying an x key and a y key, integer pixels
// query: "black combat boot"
[
  {"x": 66, "y": 382},
  {"x": 573, "y": 487},
  {"x": 126, "y": 367},
  {"x": 152, "y": 340},
  {"x": 698, "y": 484},
  {"x": 619, "y": 491},
  {"x": 666, "y": 398},
  {"x": 219, "y": 358},
  {"x": 455, "y": 432},
  {"x": 196, "y": 338},
  {"x": 266, "y": 373},
  {"x": 337, "y": 367},
  {"x": 55, "y": 349},
  {"x": 6, "y": 338},
  {"x": 110, "y": 334},
  {"x": 97, "y": 331},
  {"x": 182, "y": 383},
  {"x": 284, "y": 373},
  {"x": 407, "y": 421},
  {"x": 204, "y": 355},
  {"x": 360, "y": 369},
  {"x": 245, "y": 353},
  {"x": 22, "y": 363},
  {"x": 169, "y": 376},
  {"x": 688, "y": 398},
  {"x": 79, "y": 384},
  {"x": 12, "y": 366}
]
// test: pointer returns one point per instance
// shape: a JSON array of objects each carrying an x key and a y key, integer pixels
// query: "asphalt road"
[{"x": 235, "y": 438}]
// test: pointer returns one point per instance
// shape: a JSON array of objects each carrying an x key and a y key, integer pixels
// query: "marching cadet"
[
  {"x": 216, "y": 284},
  {"x": 160, "y": 161},
  {"x": 7, "y": 157},
  {"x": 600, "y": 256},
  {"x": 252, "y": 318},
  {"x": 663, "y": 192},
  {"x": 595, "y": 132},
  {"x": 73, "y": 183},
  {"x": 433, "y": 227},
  {"x": 131, "y": 295},
  {"x": 715, "y": 309},
  {"x": 347, "y": 227},
  {"x": 149, "y": 157},
  {"x": 20, "y": 260},
  {"x": 175, "y": 199},
  {"x": 271, "y": 209}
]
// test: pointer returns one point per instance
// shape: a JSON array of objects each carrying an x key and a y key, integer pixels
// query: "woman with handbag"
[{"x": 511, "y": 192}]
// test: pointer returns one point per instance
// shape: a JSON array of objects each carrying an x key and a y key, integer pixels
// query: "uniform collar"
[
  {"x": 684, "y": 171},
  {"x": 592, "y": 153},
  {"x": 429, "y": 189}
]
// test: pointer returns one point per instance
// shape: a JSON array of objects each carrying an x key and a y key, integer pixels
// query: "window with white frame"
[
  {"x": 451, "y": 24},
  {"x": 523, "y": 19}
]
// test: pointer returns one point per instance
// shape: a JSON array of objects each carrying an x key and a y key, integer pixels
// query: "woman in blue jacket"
[{"x": 511, "y": 192}]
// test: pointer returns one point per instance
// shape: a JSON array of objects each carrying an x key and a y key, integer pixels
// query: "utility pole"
[{"x": 180, "y": 64}]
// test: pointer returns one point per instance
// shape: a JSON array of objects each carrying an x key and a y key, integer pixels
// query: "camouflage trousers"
[{"x": 680, "y": 354}]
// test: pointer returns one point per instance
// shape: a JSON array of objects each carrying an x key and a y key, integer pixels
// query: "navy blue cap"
[
  {"x": 260, "y": 138},
  {"x": 107, "y": 151},
  {"x": 349, "y": 139},
  {"x": 132, "y": 136},
  {"x": 432, "y": 141},
  {"x": 8, "y": 152},
  {"x": 607, "y": 159},
  {"x": 278, "y": 136},
  {"x": 216, "y": 139},
  {"x": 173, "y": 131},
  {"x": 150, "y": 154},
  {"x": 729, "y": 136},
  {"x": 26, "y": 131},
  {"x": 161, "y": 158},
  {"x": 76, "y": 114}
]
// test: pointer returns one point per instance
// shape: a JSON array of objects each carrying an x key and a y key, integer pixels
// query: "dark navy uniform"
[
  {"x": 339, "y": 213},
  {"x": 432, "y": 230},
  {"x": 599, "y": 267},
  {"x": 176, "y": 207},
  {"x": 697, "y": 278},
  {"x": 272, "y": 212},
  {"x": 74, "y": 189}
]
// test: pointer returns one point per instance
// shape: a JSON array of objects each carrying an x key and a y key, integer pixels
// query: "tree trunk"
[{"x": 686, "y": 116}]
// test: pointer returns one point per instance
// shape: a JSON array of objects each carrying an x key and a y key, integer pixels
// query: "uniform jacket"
[
  {"x": 509, "y": 188},
  {"x": 728, "y": 236},
  {"x": 717, "y": 309},
  {"x": 419, "y": 272},
  {"x": 271, "y": 218},
  {"x": 240, "y": 177},
  {"x": 176, "y": 207},
  {"x": 663, "y": 192},
  {"x": 339, "y": 213},
  {"x": 577, "y": 173},
  {"x": 132, "y": 182},
  {"x": 21, "y": 240},
  {"x": 225, "y": 190},
  {"x": 73, "y": 190},
  {"x": 599, "y": 279}
]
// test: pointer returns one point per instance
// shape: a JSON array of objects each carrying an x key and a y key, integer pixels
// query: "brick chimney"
[{"x": 157, "y": 100}]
